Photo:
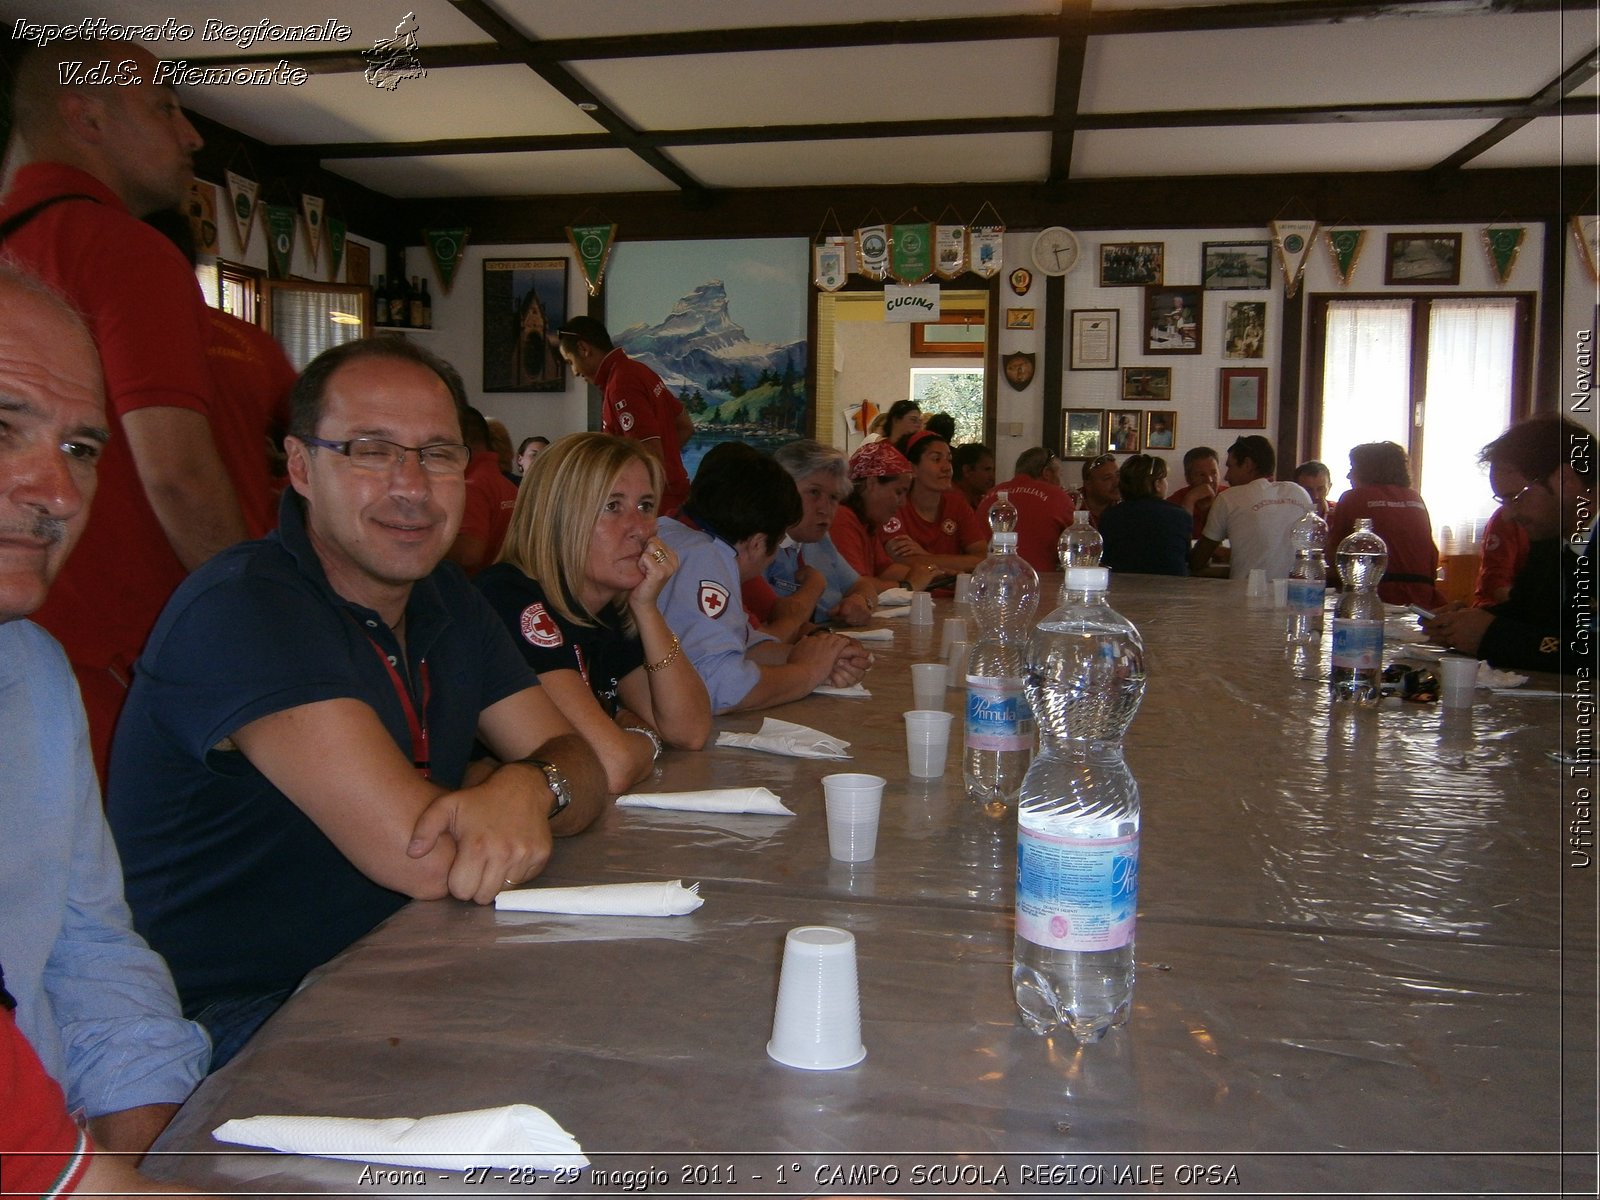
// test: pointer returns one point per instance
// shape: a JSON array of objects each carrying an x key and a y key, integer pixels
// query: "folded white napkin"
[
  {"x": 889, "y": 614},
  {"x": 856, "y": 691},
  {"x": 517, "y": 1135},
  {"x": 869, "y": 635},
  {"x": 1488, "y": 677},
  {"x": 721, "y": 800},
  {"x": 894, "y": 596},
  {"x": 606, "y": 900},
  {"x": 785, "y": 737}
]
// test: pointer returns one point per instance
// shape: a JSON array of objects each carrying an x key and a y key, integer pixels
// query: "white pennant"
[{"x": 1293, "y": 240}]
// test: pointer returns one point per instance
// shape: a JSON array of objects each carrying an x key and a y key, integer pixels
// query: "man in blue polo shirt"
[{"x": 293, "y": 762}]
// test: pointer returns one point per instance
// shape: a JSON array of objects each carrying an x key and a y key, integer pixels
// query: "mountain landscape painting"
[{"x": 724, "y": 325}]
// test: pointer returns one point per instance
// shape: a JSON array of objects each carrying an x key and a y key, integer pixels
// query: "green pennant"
[
  {"x": 911, "y": 252},
  {"x": 592, "y": 244},
  {"x": 280, "y": 238},
  {"x": 446, "y": 247},
  {"x": 1503, "y": 243},
  {"x": 1345, "y": 246},
  {"x": 336, "y": 231}
]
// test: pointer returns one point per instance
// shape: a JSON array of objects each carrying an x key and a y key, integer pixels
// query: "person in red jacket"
[
  {"x": 1044, "y": 508},
  {"x": 1381, "y": 491}
]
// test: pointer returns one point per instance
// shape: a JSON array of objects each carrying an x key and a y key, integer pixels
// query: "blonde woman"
[{"x": 577, "y": 582}]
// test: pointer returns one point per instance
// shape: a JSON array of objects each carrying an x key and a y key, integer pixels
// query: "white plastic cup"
[
  {"x": 927, "y": 742},
  {"x": 921, "y": 609},
  {"x": 1458, "y": 680},
  {"x": 1280, "y": 593},
  {"x": 957, "y": 676},
  {"x": 816, "y": 1025},
  {"x": 927, "y": 684},
  {"x": 1256, "y": 586},
  {"x": 955, "y": 630},
  {"x": 853, "y": 803},
  {"x": 964, "y": 588}
]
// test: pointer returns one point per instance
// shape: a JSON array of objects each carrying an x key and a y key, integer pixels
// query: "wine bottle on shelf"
[
  {"x": 419, "y": 318},
  {"x": 380, "y": 303},
  {"x": 427, "y": 307},
  {"x": 399, "y": 303}
]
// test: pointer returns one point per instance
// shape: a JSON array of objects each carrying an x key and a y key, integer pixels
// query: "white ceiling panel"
[
  {"x": 1570, "y": 141},
  {"x": 1012, "y": 157},
  {"x": 1368, "y": 62},
  {"x": 561, "y": 172},
  {"x": 544, "y": 19},
  {"x": 861, "y": 83},
  {"x": 1274, "y": 149}
]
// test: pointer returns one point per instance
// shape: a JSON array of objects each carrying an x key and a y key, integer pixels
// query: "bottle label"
[
  {"x": 1076, "y": 893},
  {"x": 1357, "y": 645},
  {"x": 998, "y": 716},
  {"x": 1306, "y": 595}
]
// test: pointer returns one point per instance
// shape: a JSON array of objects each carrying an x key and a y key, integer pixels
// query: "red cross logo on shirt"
[
  {"x": 713, "y": 598},
  {"x": 539, "y": 627}
]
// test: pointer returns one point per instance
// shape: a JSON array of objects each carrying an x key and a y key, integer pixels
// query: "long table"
[{"x": 1366, "y": 965}]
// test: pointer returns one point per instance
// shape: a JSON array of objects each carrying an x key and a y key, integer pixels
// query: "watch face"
[{"x": 1021, "y": 281}]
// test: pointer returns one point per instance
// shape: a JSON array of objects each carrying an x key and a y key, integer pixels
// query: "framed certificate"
[{"x": 1094, "y": 339}]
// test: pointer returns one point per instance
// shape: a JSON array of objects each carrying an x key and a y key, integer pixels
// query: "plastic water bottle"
[
  {"x": 1080, "y": 544},
  {"x": 1078, "y": 818},
  {"x": 1002, "y": 514},
  {"x": 1358, "y": 619},
  {"x": 999, "y": 729},
  {"x": 1308, "y": 580}
]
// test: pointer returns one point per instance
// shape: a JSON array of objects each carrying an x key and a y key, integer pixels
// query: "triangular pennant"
[
  {"x": 911, "y": 252},
  {"x": 1344, "y": 247},
  {"x": 832, "y": 268},
  {"x": 872, "y": 251},
  {"x": 1587, "y": 231},
  {"x": 280, "y": 238},
  {"x": 986, "y": 243},
  {"x": 1293, "y": 239},
  {"x": 592, "y": 244},
  {"x": 201, "y": 209},
  {"x": 311, "y": 206},
  {"x": 336, "y": 232},
  {"x": 242, "y": 203},
  {"x": 1501, "y": 243},
  {"x": 949, "y": 250},
  {"x": 445, "y": 247}
]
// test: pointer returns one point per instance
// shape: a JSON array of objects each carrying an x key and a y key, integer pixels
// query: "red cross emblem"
[
  {"x": 892, "y": 525},
  {"x": 713, "y": 598},
  {"x": 539, "y": 627},
  {"x": 949, "y": 525}
]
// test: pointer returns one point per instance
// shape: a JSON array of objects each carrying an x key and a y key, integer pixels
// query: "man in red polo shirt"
[
  {"x": 86, "y": 162},
  {"x": 636, "y": 404},
  {"x": 1044, "y": 508}
]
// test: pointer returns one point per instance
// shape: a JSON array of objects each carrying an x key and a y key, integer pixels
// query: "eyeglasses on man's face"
[
  {"x": 1519, "y": 496},
  {"x": 381, "y": 455}
]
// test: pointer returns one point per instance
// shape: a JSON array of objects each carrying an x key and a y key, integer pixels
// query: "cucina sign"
[{"x": 911, "y": 304}]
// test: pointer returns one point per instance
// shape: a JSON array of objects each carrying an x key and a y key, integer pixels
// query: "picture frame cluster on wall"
[{"x": 1089, "y": 433}]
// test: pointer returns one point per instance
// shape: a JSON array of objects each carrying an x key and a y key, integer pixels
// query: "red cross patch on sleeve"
[
  {"x": 713, "y": 598},
  {"x": 540, "y": 628}
]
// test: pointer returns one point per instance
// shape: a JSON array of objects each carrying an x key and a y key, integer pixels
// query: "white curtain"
[
  {"x": 1366, "y": 381},
  {"x": 1467, "y": 404}
]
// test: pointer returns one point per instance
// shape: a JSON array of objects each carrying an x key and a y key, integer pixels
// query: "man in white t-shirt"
[{"x": 1254, "y": 515}]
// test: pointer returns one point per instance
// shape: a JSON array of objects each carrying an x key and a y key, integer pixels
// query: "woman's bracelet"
[
  {"x": 672, "y": 657},
  {"x": 655, "y": 740}
]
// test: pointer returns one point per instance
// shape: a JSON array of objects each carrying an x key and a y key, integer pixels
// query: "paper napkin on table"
[
  {"x": 606, "y": 900},
  {"x": 868, "y": 635},
  {"x": 889, "y": 614},
  {"x": 517, "y": 1135},
  {"x": 721, "y": 800},
  {"x": 785, "y": 737},
  {"x": 893, "y": 597},
  {"x": 856, "y": 691},
  {"x": 1488, "y": 677}
]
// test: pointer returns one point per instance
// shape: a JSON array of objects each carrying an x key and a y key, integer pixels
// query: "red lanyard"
[{"x": 418, "y": 723}]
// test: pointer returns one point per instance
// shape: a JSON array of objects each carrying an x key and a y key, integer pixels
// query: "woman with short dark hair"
[{"x": 1144, "y": 535}]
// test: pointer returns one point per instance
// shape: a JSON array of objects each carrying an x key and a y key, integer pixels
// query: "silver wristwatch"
[{"x": 557, "y": 782}]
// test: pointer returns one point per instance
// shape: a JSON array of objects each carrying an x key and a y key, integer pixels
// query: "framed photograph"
[
  {"x": 1242, "y": 398},
  {"x": 1416, "y": 258},
  {"x": 1124, "y": 432},
  {"x": 1094, "y": 339},
  {"x": 1084, "y": 432},
  {"x": 1147, "y": 383},
  {"x": 1172, "y": 317},
  {"x": 524, "y": 303},
  {"x": 1244, "y": 329},
  {"x": 1131, "y": 264},
  {"x": 1160, "y": 429},
  {"x": 1236, "y": 266},
  {"x": 1019, "y": 318}
]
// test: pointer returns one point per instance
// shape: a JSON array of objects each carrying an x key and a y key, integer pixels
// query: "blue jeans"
[{"x": 232, "y": 1021}]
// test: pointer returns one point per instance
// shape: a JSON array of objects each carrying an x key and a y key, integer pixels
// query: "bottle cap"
[
  {"x": 1003, "y": 539},
  {"x": 1088, "y": 579}
]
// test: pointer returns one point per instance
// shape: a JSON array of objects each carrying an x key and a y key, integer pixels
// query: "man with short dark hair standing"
[
  {"x": 1254, "y": 515},
  {"x": 636, "y": 404},
  {"x": 295, "y": 758}
]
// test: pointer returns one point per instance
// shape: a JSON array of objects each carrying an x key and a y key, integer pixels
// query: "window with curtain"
[
  {"x": 1440, "y": 375},
  {"x": 308, "y": 318}
]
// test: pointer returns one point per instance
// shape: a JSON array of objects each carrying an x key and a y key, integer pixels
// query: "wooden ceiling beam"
[
  {"x": 1549, "y": 96},
  {"x": 1072, "y": 46}
]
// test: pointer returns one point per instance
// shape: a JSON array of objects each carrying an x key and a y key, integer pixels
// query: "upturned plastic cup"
[
  {"x": 816, "y": 1025},
  {"x": 1458, "y": 680},
  {"x": 964, "y": 588},
  {"x": 927, "y": 684},
  {"x": 921, "y": 609},
  {"x": 1256, "y": 586},
  {"x": 955, "y": 630},
  {"x": 927, "y": 742},
  {"x": 957, "y": 676},
  {"x": 853, "y": 803},
  {"x": 1280, "y": 593}
]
